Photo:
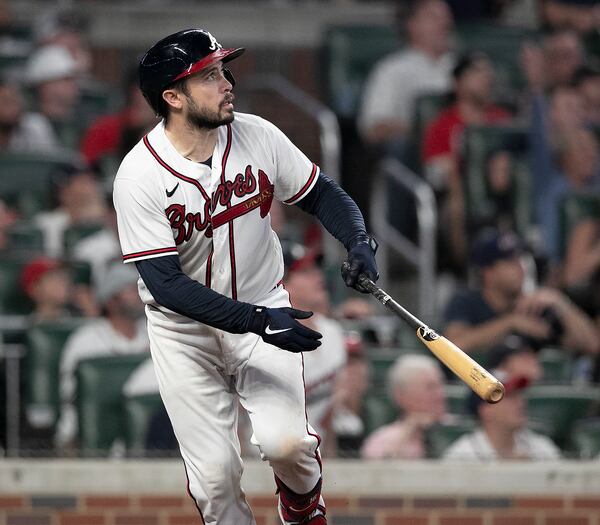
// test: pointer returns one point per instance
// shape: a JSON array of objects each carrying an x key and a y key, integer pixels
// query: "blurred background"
[{"x": 467, "y": 132}]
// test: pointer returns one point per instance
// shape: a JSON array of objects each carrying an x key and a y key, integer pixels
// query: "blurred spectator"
[
  {"x": 120, "y": 330},
  {"x": 473, "y": 82},
  {"x": 52, "y": 73},
  {"x": 305, "y": 284},
  {"x": 587, "y": 83},
  {"x": 79, "y": 202},
  {"x": 395, "y": 82},
  {"x": 502, "y": 432},
  {"x": 573, "y": 164},
  {"x": 47, "y": 283},
  {"x": 516, "y": 356},
  {"x": 102, "y": 248},
  {"x": 116, "y": 134},
  {"x": 68, "y": 29},
  {"x": 580, "y": 15},
  {"x": 350, "y": 388},
  {"x": 21, "y": 130},
  {"x": 555, "y": 63},
  {"x": 416, "y": 386},
  {"x": 498, "y": 306},
  {"x": 7, "y": 218}
]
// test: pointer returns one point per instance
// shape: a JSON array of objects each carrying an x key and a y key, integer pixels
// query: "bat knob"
[{"x": 496, "y": 393}]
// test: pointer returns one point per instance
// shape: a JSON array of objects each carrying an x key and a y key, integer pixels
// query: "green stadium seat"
[
  {"x": 73, "y": 234},
  {"x": 556, "y": 365},
  {"x": 478, "y": 143},
  {"x": 574, "y": 208},
  {"x": 24, "y": 237},
  {"x": 99, "y": 401},
  {"x": 558, "y": 407},
  {"x": 440, "y": 436},
  {"x": 13, "y": 300},
  {"x": 585, "y": 438},
  {"x": 45, "y": 343},
  {"x": 139, "y": 411},
  {"x": 347, "y": 62},
  {"x": 26, "y": 179},
  {"x": 376, "y": 412}
]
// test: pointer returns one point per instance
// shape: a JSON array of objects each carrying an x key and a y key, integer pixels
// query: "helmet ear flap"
[{"x": 229, "y": 77}]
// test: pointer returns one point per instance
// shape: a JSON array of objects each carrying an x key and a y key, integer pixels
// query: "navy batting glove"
[
  {"x": 278, "y": 327},
  {"x": 361, "y": 259}
]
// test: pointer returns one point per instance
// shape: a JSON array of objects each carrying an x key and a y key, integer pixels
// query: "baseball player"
[{"x": 192, "y": 201}]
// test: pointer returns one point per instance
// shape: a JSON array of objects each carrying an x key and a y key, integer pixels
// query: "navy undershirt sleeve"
[
  {"x": 336, "y": 210},
  {"x": 174, "y": 290}
]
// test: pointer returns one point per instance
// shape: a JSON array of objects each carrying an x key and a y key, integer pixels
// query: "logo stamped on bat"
[{"x": 428, "y": 334}]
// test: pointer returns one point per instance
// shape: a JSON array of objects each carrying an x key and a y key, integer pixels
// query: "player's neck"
[{"x": 194, "y": 144}]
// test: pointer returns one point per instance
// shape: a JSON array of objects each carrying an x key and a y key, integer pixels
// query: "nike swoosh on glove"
[
  {"x": 278, "y": 327},
  {"x": 361, "y": 259}
]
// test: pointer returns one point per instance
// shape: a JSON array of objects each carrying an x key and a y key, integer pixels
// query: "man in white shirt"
[
  {"x": 502, "y": 433},
  {"x": 395, "y": 82},
  {"x": 122, "y": 330}
]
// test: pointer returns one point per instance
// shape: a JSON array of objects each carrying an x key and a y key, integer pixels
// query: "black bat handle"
[{"x": 386, "y": 300}]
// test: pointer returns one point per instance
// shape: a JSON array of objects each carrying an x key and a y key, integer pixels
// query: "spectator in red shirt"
[
  {"x": 473, "y": 81},
  {"x": 117, "y": 133}
]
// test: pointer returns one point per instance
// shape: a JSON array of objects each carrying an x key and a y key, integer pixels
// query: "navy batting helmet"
[{"x": 178, "y": 56}]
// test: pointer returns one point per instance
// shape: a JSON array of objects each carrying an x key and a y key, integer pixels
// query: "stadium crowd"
[{"x": 521, "y": 253}]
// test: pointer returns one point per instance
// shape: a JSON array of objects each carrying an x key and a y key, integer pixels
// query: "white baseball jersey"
[{"x": 216, "y": 218}]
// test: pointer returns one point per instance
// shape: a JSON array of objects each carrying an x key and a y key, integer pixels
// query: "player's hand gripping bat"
[{"x": 475, "y": 376}]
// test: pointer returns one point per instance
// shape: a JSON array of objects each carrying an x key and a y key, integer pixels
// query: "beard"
[{"x": 203, "y": 118}]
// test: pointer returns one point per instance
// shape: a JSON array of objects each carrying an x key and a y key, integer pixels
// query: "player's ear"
[{"x": 173, "y": 98}]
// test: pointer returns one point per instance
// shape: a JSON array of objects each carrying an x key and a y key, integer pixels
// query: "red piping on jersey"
[
  {"x": 156, "y": 251},
  {"x": 305, "y": 187},
  {"x": 172, "y": 171},
  {"x": 231, "y": 242}
]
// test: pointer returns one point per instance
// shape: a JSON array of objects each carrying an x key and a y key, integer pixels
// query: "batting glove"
[
  {"x": 361, "y": 259},
  {"x": 278, "y": 327}
]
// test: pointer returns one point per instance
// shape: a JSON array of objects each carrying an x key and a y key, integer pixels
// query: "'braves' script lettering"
[
  {"x": 240, "y": 186},
  {"x": 185, "y": 223}
]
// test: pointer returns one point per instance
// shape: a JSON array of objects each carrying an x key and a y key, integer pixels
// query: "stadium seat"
[
  {"x": 376, "y": 412},
  {"x": 478, "y": 143},
  {"x": 574, "y": 208},
  {"x": 24, "y": 237},
  {"x": 139, "y": 411},
  {"x": 45, "y": 343},
  {"x": 585, "y": 439},
  {"x": 456, "y": 397},
  {"x": 556, "y": 365},
  {"x": 26, "y": 179},
  {"x": 73, "y": 234},
  {"x": 100, "y": 402},
  {"x": 558, "y": 407},
  {"x": 440, "y": 436},
  {"x": 13, "y": 300},
  {"x": 347, "y": 62}
]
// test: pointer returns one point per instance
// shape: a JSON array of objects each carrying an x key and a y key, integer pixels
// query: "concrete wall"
[{"x": 358, "y": 493}]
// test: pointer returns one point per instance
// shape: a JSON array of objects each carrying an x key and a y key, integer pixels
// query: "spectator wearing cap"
[
  {"x": 424, "y": 66},
  {"x": 120, "y": 330},
  {"x": 46, "y": 282},
  {"x": 51, "y": 73},
  {"x": 502, "y": 432},
  {"x": 79, "y": 203},
  {"x": 473, "y": 82},
  {"x": 478, "y": 318},
  {"x": 416, "y": 386},
  {"x": 305, "y": 283},
  {"x": 22, "y": 131}
]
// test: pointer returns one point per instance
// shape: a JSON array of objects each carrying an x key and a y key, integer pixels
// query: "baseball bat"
[{"x": 484, "y": 384}]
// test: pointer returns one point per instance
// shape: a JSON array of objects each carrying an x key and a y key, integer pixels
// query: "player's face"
[{"x": 209, "y": 100}]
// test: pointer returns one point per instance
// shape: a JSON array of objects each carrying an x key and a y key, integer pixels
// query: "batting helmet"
[{"x": 178, "y": 56}]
